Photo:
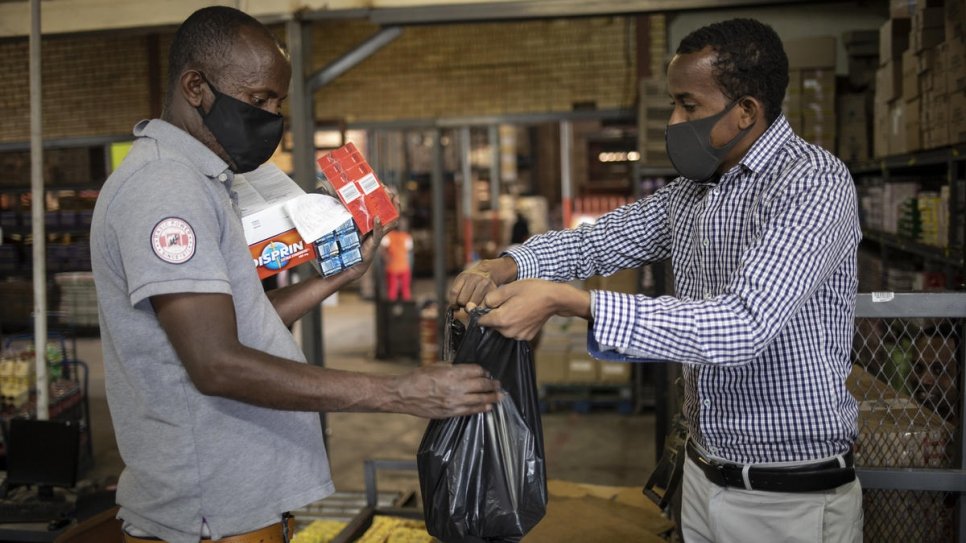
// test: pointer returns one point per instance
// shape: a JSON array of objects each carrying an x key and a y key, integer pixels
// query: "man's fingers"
[{"x": 496, "y": 297}]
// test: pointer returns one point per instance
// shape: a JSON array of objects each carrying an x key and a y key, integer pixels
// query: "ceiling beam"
[
  {"x": 78, "y": 16},
  {"x": 501, "y": 11}
]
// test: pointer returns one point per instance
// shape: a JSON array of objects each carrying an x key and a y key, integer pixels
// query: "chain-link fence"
[{"x": 908, "y": 380}]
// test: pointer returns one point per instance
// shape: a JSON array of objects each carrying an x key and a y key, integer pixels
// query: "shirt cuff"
[
  {"x": 527, "y": 265},
  {"x": 614, "y": 319}
]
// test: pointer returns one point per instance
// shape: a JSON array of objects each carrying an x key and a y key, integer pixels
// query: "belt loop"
[
  {"x": 744, "y": 476},
  {"x": 285, "y": 519},
  {"x": 841, "y": 460}
]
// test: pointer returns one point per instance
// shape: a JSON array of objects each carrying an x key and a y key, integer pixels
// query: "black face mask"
[
  {"x": 689, "y": 146},
  {"x": 248, "y": 134}
]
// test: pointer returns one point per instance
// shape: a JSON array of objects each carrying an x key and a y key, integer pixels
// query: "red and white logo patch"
[{"x": 173, "y": 240}]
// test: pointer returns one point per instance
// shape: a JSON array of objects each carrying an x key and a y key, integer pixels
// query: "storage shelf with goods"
[
  {"x": 913, "y": 194},
  {"x": 67, "y": 381},
  {"x": 913, "y": 211},
  {"x": 73, "y": 172}
]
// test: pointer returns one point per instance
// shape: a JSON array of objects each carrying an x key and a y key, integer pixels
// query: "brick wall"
[
  {"x": 99, "y": 85},
  {"x": 92, "y": 86},
  {"x": 480, "y": 69}
]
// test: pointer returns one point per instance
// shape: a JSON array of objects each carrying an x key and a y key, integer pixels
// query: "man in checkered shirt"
[{"x": 762, "y": 230}]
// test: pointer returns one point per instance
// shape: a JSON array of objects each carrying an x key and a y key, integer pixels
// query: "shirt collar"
[
  {"x": 186, "y": 145},
  {"x": 763, "y": 150}
]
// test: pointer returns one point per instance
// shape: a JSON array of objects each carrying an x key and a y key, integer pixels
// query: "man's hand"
[
  {"x": 369, "y": 248},
  {"x": 520, "y": 309},
  {"x": 472, "y": 285},
  {"x": 441, "y": 390}
]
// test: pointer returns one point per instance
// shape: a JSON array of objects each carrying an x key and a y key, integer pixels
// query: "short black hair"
[
  {"x": 204, "y": 41},
  {"x": 751, "y": 60}
]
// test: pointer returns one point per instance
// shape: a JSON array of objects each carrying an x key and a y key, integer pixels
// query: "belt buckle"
[{"x": 716, "y": 468}]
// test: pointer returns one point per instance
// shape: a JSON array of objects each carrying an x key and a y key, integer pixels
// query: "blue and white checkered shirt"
[{"x": 764, "y": 267}]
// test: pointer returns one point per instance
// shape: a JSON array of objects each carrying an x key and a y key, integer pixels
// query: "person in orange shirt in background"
[{"x": 397, "y": 248}]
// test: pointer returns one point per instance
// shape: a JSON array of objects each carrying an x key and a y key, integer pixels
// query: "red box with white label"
[{"x": 358, "y": 187}]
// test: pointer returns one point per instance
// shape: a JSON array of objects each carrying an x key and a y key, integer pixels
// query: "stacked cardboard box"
[
  {"x": 920, "y": 99},
  {"x": 854, "y": 104},
  {"x": 954, "y": 55},
  {"x": 561, "y": 356},
  {"x": 889, "y": 106},
  {"x": 809, "y": 102},
  {"x": 862, "y": 51},
  {"x": 854, "y": 115}
]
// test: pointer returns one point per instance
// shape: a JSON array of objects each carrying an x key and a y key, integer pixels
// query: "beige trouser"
[{"x": 714, "y": 514}]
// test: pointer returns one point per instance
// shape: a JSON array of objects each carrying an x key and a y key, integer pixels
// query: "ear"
[
  {"x": 750, "y": 109},
  {"x": 192, "y": 87}
]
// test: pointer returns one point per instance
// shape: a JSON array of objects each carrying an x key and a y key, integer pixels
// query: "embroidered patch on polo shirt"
[{"x": 173, "y": 240}]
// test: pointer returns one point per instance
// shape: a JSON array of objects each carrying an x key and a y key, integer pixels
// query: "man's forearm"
[{"x": 294, "y": 301}]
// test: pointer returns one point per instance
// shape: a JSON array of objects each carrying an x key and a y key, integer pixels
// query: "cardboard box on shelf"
[
  {"x": 934, "y": 112},
  {"x": 818, "y": 52},
  {"x": 954, "y": 60},
  {"x": 581, "y": 368},
  {"x": 622, "y": 281},
  {"x": 818, "y": 127},
  {"x": 895, "y": 431},
  {"x": 893, "y": 39},
  {"x": 957, "y": 117},
  {"x": 861, "y": 43},
  {"x": 904, "y": 9},
  {"x": 901, "y": 9},
  {"x": 910, "y": 76},
  {"x": 955, "y": 19},
  {"x": 880, "y": 132},
  {"x": 853, "y": 108},
  {"x": 913, "y": 127},
  {"x": 615, "y": 372},
  {"x": 861, "y": 70},
  {"x": 792, "y": 104},
  {"x": 888, "y": 81},
  {"x": 926, "y": 38},
  {"x": 818, "y": 88},
  {"x": 928, "y": 18},
  {"x": 551, "y": 361},
  {"x": 853, "y": 141}
]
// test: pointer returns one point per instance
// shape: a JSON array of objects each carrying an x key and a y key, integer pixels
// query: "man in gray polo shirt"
[{"x": 214, "y": 407}]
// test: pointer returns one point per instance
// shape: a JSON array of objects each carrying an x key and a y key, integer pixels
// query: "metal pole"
[
  {"x": 37, "y": 215},
  {"x": 298, "y": 35},
  {"x": 566, "y": 144},
  {"x": 467, "y": 195},
  {"x": 439, "y": 239},
  {"x": 493, "y": 134}
]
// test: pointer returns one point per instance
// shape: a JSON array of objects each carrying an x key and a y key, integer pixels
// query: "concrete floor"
[{"x": 604, "y": 448}]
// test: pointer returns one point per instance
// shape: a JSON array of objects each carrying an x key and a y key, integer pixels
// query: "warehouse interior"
[{"x": 481, "y": 117}]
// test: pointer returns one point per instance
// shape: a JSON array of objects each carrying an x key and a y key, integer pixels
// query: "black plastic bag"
[{"x": 482, "y": 477}]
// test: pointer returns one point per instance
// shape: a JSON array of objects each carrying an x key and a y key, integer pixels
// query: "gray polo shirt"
[{"x": 165, "y": 223}]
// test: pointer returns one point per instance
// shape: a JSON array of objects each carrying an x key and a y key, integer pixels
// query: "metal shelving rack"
[{"x": 948, "y": 163}]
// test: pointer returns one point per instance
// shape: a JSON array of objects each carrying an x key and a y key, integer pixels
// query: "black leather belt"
[{"x": 824, "y": 475}]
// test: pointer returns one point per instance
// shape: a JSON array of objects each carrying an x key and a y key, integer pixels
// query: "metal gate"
[{"x": 908, "y": 377}]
